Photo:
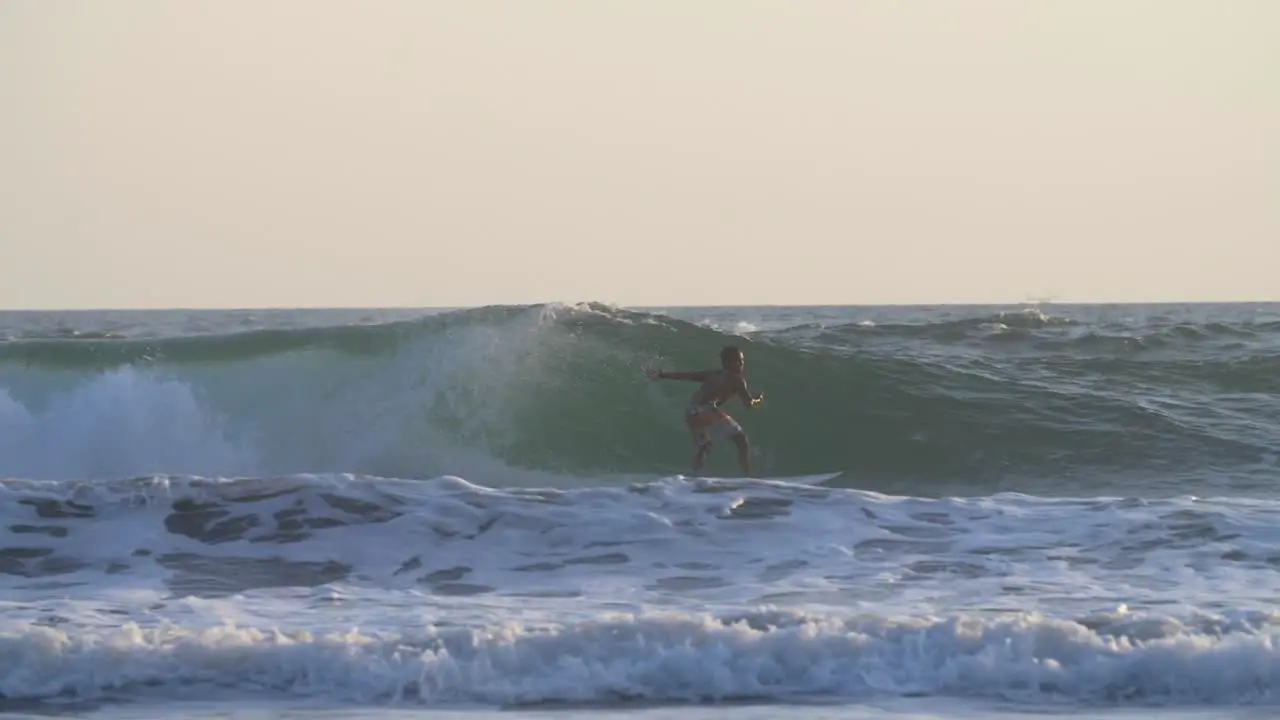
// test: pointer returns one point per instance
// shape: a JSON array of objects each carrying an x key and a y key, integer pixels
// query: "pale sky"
[{"x": 255, "y": 153}]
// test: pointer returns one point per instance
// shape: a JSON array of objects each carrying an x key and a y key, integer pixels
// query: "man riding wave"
[{"x": 706, "y": 421}]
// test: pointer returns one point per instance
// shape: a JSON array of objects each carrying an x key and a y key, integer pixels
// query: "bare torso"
[{"x": 718, "y": 387}]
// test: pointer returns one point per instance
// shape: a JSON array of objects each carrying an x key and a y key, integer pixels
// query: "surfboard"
[
  {"x": 818, "y": 479},
  {"x": 811, "y": 480}
]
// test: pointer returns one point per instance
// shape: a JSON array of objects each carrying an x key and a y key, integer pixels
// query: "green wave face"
[{"x": 560, "y": 390}]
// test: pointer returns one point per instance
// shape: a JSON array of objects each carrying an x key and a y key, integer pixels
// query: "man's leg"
[
  {"x": 700, "y": 455},
  {"x": 744, "y": 453},
  {"x": 701, "y": 441}
]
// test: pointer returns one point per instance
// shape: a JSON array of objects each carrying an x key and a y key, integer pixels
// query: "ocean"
[{"x": 1037, "y": 510}]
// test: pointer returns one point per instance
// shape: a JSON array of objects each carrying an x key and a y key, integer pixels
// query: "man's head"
[{"x": 731, "y": 359}]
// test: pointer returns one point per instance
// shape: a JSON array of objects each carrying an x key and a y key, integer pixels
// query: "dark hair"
[{"x": 728, "y": 352}]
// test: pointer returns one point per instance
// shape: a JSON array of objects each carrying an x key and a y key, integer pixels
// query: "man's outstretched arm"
[{"x": 695, "y": 375}]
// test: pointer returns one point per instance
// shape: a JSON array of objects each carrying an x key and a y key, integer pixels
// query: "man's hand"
[
  {"x": 653, "y": 373},
  {"x": 759, "y": 398}
]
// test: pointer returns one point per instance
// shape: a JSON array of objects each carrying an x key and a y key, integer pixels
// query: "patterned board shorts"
[{"x": 710, "y": 423}]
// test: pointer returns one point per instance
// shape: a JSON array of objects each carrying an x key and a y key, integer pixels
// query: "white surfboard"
[{"x": 818, "y": 479}]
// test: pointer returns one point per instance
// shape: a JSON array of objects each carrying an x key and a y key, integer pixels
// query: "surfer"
[{"x": 706, "y": 421}]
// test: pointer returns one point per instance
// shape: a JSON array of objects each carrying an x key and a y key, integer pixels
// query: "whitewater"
[{"x": 1040, "y": 509}]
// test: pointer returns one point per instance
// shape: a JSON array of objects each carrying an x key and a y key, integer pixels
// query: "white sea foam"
[{"x": 306, "y": 552}]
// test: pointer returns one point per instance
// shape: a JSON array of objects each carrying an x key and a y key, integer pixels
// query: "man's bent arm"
[{"x": 746, "y": 397}]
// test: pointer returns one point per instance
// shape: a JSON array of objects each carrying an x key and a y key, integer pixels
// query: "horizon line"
[{"x": 948, "y": 303}]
